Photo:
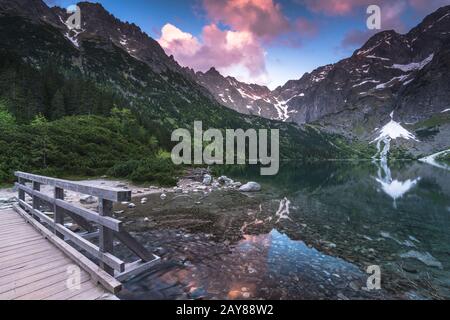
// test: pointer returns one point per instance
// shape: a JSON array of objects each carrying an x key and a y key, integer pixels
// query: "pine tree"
[{"x": 58, "y": 109}]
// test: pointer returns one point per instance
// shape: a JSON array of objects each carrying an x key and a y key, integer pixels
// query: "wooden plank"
[
  {"x": 106, "y": 242},
  {"x": 90, "y": 215},
  {"x": 82, "y": 222},
  {"x": 67, "y": 294},
  {"x": 35, "y": 193},
  {"x": 91, "y": 294},
  {"x": 23, "y": 260},
  {"x": 112, "y": 194},
  {"x": 26, "y": 250},
  {"x": 18, "y": 234},
  {"x": 59, "y": 213},
  {"x": 134, "y": 246},
  {"x": 34, "y": 290},
  {"x": 33, "y": 271},
  {"x": 37, "y": 213},
  {"x": 32, "y": 264},
  {"x": 19, "y": 255},
  {"x": 97, "y": 273},
  {"x": 16, "y": 282},
  {"x": 136, "y": 268},
  {"x": 58, "y": 284},
  {"x": 4, "y": 247},
  {"x": 22, "y": 245},
  {"x": 79, "y": 241}
]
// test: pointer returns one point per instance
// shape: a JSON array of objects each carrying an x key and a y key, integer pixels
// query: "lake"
[{"x": 310, "y": 234}]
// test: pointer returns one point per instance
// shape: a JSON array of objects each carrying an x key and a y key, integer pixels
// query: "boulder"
[
  {"x": 131, "y": 206},
  {"x": 250, "y": 187},
  {"x": 225, "y": 180}
]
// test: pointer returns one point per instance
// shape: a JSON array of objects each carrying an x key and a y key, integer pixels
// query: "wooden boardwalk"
[{"x": 33, "y": 268}]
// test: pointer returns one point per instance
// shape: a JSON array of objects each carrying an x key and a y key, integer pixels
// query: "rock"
[
  {"x": 144, "y": 200},
  {"x": 225, "y": 180},
  {"x": 163, "y": 196},
  {"x": 236, "y": 185},
  {"x": 216, "y": 185},
  {"x": 178, "y": 190},
  {"x": 122, "y": 185},
  {"x": 146, "y": 219},
  {"x": 119, "y": 212},
  {"x": 88, "y": 200},
  {"x": 131, "y": 206},
  {"x": 207, "y": 179},
  {"x": 250, "y": 187}
]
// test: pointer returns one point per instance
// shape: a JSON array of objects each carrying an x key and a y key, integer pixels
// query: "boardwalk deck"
[{"x": 33, "y": 268}]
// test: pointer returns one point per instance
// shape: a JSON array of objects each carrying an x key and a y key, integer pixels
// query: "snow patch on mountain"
[
  {"x": 391, "y": 131},
  {"x": 415, "y": 65}
]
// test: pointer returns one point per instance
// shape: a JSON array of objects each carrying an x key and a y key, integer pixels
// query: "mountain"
[
  {"x": 47, "y": 69},
  {"x": 407, "y": 73},
  {"x": 242, "y": 97}
]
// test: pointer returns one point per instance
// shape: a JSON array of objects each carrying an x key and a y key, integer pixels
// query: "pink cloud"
[
  {"x": 306, "y": 27},
  {"x": 218, "y": 48},
  {"x": 262, "y": 18}
]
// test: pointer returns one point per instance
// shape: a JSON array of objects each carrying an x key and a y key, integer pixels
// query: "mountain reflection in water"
[{"x": 311, "y": 233}]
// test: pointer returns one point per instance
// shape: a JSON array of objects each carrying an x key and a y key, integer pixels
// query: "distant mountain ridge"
[{"x": 383, "y": 69}]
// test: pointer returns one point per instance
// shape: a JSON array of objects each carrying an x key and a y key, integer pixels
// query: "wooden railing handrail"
[
  {"x": 112, "y": 194},
  {"x": 89, "y": 220}
]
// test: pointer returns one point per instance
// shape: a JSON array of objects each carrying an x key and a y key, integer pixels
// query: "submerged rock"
[{"x": 250, "y": 187}]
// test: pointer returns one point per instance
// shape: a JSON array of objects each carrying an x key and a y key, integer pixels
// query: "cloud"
[
  {"x": 223, "y": 49},
  {"x": 427, "y": 6},
  {"x": 335, "y": 7},
  {"x": 345, "y": 7},
  {"x": 262, "y": 18}
]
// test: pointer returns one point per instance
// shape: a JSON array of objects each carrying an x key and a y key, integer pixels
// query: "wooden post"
[
  {"x": 106, "y": 235},
  {"x": 59, "y": 213},
  {"x": 36, "y": 202},
  {"x": 21, "y": 192}
]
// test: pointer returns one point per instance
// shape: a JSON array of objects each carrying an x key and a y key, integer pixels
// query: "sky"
[{"x": 267, "y": 42}]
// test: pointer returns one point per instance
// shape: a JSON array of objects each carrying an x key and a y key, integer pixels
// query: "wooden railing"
[{"x": 99, "y": 225}]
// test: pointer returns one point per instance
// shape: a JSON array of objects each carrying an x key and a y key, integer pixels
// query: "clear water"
[{"x": 310, "y": 234}]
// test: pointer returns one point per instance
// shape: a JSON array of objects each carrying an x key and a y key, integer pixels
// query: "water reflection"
[
  {"x": 232, "y": 245},
  {"x": 394, "y": 188}
]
